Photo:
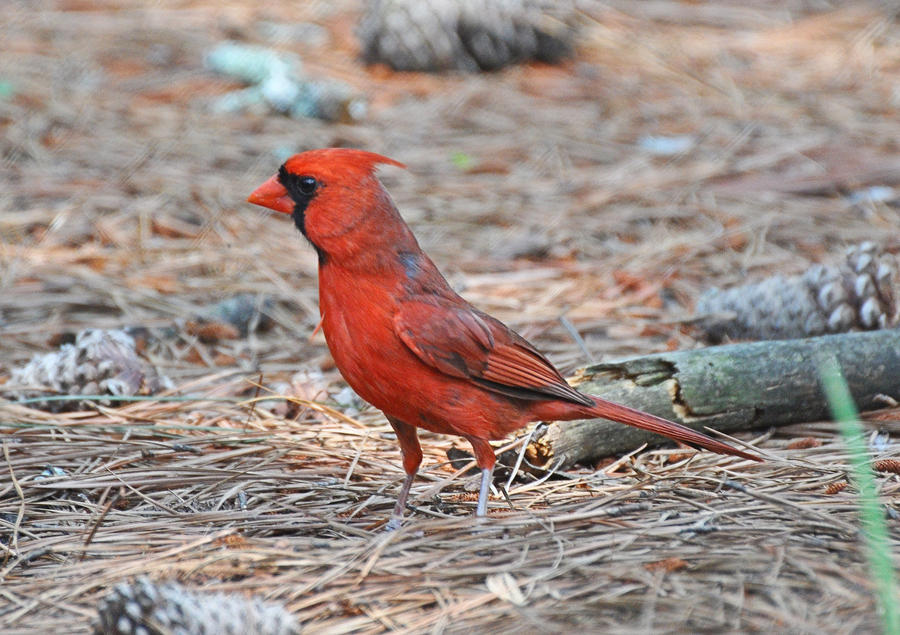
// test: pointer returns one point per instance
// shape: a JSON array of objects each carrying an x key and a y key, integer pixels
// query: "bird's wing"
[{"x": 462, "y": 342}]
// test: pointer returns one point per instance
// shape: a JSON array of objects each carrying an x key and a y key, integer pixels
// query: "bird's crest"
[{"x": 340, "y": 162}]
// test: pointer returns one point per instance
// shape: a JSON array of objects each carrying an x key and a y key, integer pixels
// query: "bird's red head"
[
  {"x": 329, "y": 192},
  {"x": 325, "y": 166}
]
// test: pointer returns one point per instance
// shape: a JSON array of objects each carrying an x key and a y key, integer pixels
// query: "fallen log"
[{"x": 728, "y": 388}]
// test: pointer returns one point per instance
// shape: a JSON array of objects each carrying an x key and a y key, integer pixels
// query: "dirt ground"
[{"x": 541, "y": 192}]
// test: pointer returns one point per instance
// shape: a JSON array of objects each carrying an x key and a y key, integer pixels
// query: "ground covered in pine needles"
[{"x": 543, "y": 193}]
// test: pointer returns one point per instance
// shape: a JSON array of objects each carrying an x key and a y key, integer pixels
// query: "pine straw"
[
  {"x": 225, "y": 496},
  {"x": 122, "y": 204}
]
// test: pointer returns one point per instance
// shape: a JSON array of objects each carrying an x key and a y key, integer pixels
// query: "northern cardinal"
[{"x": 405, "y": 341}]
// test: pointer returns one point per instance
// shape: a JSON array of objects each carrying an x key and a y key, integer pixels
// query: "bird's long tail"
[{"x": 675, "y": 431}]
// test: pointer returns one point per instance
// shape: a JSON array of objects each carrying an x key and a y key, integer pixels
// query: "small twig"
[
  {"x": 570, "y": 328},
  {"x": 14, "y": 541},
  {"x": 253, "y": 401},
  {"x": 355, "y": 460},
  {"x": 529, "y": 486},
  {"x": 87, "y": 541},
  {"x": 143, "y": 496},
  {"x": 519, "y": 458}
]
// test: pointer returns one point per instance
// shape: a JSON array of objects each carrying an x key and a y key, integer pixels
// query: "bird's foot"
[
  {"x": 483, "y": 527},
  {"x": 394, "y": 523}
]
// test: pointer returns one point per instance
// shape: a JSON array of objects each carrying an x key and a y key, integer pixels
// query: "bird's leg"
[
  {"x": 484, "y": 456},
  {"x": 404, "y": 494},
  {"x": 412, "y": 458},
  {"x": 484, "y": 492}
]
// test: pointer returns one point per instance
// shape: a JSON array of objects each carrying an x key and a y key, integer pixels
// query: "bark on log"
[{"x": 728, "y": 388}]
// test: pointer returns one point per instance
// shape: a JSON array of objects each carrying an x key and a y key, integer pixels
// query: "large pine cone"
[
  {"x": 861, "y": 293},
  {"x": 100, "y": 362},
  {"x": 146, "y": 608},
  {"x": 469, "y": 35}
]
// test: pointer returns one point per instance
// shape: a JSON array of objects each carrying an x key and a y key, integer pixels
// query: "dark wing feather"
[{"x": 462, "y": 342}]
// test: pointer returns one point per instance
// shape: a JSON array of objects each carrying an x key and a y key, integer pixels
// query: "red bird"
[{"x": 405, "y": 341}]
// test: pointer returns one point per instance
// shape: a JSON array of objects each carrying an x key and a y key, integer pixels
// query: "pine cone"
[
  {"x": 469, "y": 35},
  {"x": 99, "y": 362},
  {"x": 145, "y": 608},
  {"x": 861, "y": 293}
]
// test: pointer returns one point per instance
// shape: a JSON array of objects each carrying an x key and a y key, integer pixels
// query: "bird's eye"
[{"x": 307, "y": 185}]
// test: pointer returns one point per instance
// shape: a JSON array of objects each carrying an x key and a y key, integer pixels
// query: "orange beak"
[{"x": 272, "y": 194}]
